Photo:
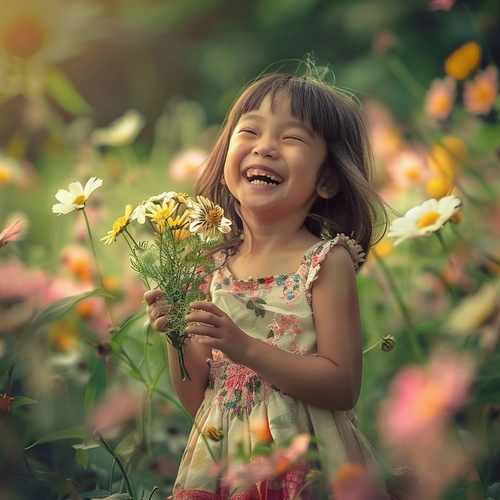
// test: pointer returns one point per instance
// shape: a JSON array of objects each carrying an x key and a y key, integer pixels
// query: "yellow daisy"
[
  {"x": 118, "y": 226},
  {"x": 159, "y": 214}
]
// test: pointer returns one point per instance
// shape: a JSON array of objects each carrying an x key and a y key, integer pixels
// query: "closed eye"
[
  {"x": 293, "y": 137},
  {"x": 247, "y": 131}
]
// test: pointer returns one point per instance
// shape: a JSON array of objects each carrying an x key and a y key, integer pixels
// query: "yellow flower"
[
  {"x": 212, "y": 433},
  {"x": 445, "y": 158},
  {"x": 159, "y": 214},
  {"x": 439, "y": 186},
  {"x": 118, "y": 226},
  {"x": 463, "y": 61},
  {"x": 179, "y": 227},
  {"x": 75, "y": 197},
  {"x": 208, "y": 218}
]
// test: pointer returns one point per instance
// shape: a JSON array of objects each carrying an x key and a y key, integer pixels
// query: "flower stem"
[
  {"x": 96, "y": 263},
  {"x": 120, "y": 465},
  {"x": 417, "y": 349},
  {"x": 454, "y": 292}
]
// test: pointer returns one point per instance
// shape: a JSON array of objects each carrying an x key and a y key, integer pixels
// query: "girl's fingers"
[{"x": 152, "y": 296}]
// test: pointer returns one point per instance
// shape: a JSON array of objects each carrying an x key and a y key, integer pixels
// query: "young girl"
[{"x": 279, "y": 341}]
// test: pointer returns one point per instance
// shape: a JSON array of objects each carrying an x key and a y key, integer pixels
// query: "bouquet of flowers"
[{"x": 175, "y": 259}]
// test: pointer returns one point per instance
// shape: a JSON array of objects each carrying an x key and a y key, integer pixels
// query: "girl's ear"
[{"x": 328, "y": 186}]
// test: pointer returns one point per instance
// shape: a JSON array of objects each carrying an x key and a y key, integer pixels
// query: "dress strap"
[{"x": 320, "y": 251}]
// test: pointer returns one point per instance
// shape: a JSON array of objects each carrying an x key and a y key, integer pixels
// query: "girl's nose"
[{"x": 265, "y": 148}]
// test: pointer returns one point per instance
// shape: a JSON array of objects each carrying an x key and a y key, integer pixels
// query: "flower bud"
[{"x": 388, "y": 343}]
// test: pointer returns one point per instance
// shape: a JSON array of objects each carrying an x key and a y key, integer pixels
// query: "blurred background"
[{"x": 134, "y": 93}]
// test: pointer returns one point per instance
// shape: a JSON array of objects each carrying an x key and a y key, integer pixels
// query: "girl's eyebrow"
[{"x": 292, "y": 123}]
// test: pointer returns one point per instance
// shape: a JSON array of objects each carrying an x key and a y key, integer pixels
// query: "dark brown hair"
[{"x": 356, "y": 209}]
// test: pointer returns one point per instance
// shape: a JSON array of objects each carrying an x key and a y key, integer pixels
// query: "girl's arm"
[
  {"x": 330, "y": 380},
  {"x": 190, "y": 392}
]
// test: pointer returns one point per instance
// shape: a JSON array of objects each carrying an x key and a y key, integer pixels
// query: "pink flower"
[
  {"x": 12, "y": 232},
  {"x": 441, "y": 4},
  {"x": 268, "y": 466},
  {"x": 408, "y": 168},
  {"x": 423, "y": 399},
  {"x": 115, "y": 409},
  {"x": 187, "y": 165},
  {"x": 440, "y": 99},
  {"x": 480, "y": 93}
]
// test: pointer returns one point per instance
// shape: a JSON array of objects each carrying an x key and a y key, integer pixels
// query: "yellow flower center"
[
  {"x": 413, "y": 174},
  {"x": 24, "y": 39},
  {"x": 79, "y": 200},
  {"x": 213, "y": 217},
  {"x": 428, "y": 219},
  {"x": 483, "y": 93},
  {"x": 5, "y": 175}
]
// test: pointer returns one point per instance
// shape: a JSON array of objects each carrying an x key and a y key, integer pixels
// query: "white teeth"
[{"x": 253, "y": 173}]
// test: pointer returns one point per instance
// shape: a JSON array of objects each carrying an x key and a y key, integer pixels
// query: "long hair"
[{"x": 355, "y": 209}]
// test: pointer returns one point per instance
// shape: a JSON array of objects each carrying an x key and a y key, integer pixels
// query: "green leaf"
[
  {"x": 19, "y": 401},
  {"x": 8, "y": 361},
  {"x": 96, "y": 384},
  {"x": 62, "y": 306},
  {"x": 82, "y": 457},
  {"x": 78, "y": 432},
  {"x": 120, "y": 334},
  {"x": 60, "y": 88}
]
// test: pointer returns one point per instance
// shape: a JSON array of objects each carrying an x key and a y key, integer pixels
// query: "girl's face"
[{"x": 273, "y": 162}]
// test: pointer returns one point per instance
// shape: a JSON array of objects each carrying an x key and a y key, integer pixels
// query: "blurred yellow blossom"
[
  {"x": 481, "y": 92},
  {"x": 439, "y": 187},
  {"x": 36, "y": 34},
  {"x": 463, "y": 61},
  {"x": 10, "y": 169},
  {"x": 446, "y": 157}
]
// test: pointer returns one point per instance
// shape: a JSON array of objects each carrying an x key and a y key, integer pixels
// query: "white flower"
[
  {"x": 424, "y": 219},
  {"x": 121, "y": 132},
  {"x": 75, "y": 197}
]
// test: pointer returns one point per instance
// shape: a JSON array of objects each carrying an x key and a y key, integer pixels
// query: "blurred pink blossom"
[
  {"x": 422, "y": 400},
  {"x": 270, "y": 466},
  {"x": 440, "y": 99},
  {"x": 12, "y": 233},
  {"x": 441, "y": 4},
  {"x": 481, "y": 92},
  {"x": 115, "y": 408},
  {"x": 408, "y": 168},
  {"x": 187, "y": 165}
]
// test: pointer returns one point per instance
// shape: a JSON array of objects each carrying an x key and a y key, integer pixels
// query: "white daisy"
[
  {"x": 75, "y": 197},
  {"x": 424, "y": 219},
  {"x": 121, "y": 132}
]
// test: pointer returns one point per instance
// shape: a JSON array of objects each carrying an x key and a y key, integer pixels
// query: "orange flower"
[
  {"x": 440, "y": 99},
  {"x": 439, "y": 187},
  {"x": 480, "y": 93},
  {"x": 463, "y": 61}
]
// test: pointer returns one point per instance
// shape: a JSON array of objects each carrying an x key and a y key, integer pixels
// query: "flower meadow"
[{"x": 100, "y": 149}]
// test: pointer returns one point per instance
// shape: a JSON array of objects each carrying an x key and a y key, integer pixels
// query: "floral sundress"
[{"x": 276, "y": 310}]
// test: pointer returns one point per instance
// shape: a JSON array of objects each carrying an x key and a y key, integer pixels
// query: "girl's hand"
[
  {"x": 218, "y": 331},
  {"x": 157, "y": 309}
]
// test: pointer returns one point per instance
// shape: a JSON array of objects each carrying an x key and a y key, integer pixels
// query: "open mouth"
[{"x": 260, "y": 177}]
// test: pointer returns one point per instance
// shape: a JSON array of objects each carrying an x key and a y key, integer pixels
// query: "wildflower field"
[{"x": 107, "y": 104}]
